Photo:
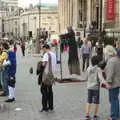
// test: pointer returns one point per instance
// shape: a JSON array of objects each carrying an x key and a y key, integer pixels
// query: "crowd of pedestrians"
[{"x": 105, "y": 74}]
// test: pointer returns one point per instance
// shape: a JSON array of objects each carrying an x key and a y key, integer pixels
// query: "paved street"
[{"x": 69, "y": 98}]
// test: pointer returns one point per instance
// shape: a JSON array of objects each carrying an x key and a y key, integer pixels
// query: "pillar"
[{"x": 89, "y": 14}]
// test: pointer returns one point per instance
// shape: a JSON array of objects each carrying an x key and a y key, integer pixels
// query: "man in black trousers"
[{"x": 46, "y": 90}]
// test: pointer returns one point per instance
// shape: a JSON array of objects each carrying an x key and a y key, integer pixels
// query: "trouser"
[
  {"x": 23, "y": 52},
  {"x": 114, "y": 103},
  {"x": 11, "y": 92},
  {"x": 47, "y": 97},
  {"x": 5, "y": 82},
  {"x": 85, "y": 59},
  {"x": 0, "y": 78}
]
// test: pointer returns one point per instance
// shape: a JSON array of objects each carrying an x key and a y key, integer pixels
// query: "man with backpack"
[{"x": 49, "y": 63}]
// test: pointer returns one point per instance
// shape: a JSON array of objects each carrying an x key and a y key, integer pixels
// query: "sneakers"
[
  {"x": 51, "y": 109},
  {"x": 95, "y": 117},
  {"x": 43, "y": 110},
  {"x": 10, "y": 100},
  {"x": 46, "y": 110},
  {"x": 87, "y": 117}
]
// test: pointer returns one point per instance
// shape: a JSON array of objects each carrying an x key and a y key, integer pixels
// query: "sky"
[{"x": 25, "y": 3}]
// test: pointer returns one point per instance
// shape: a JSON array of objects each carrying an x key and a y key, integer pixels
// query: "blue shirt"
[
  {"x": 85, "y": 49},
  {"x": 12, "y": 67}
]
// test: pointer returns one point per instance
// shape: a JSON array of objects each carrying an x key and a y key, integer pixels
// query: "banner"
[{"x": 110, "y": 15}]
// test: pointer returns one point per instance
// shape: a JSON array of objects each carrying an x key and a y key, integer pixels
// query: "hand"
[
  {"x": 11, "y": 78},
  {"x": 108, "y": 86}
]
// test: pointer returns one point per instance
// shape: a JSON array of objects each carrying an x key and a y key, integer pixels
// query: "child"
[
  {"x": 93, "y": 76},
  {"x": 10, "y": 66}
]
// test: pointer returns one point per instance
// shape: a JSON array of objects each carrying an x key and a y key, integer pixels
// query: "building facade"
[
  {"x": 8, "y": 8},
  {"x": 80, "y": 13},
  {"x": 12, "y": 5},
  {"x": 0, "y": 27},
  {"x": 28, "y": 22}
]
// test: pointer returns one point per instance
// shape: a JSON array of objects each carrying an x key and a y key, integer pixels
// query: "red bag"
[
  {"x": 103, "y": 85},
  {"x": 66, "y": 48}
]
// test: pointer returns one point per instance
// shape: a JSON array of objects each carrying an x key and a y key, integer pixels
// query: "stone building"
[
  {"x": 12, "y": 26},
  {"x": 81, "y": 13},
  {"x": 28, "y": 21},
  {"x": 12, "y": 5},
  {"x": 8, "y": 8},
  {"x": 0, "y": 27}
]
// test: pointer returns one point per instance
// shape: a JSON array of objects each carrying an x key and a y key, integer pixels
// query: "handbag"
[{"x": 48, "y": 78}]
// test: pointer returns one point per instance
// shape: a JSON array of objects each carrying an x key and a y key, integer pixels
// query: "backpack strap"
[{"x": 50, "y": 62}]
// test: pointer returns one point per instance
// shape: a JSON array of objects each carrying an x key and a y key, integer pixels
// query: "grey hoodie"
[{"x": 94, "y": 77}]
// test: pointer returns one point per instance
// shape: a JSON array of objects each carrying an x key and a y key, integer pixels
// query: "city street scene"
[{"x": 59, "y": 59}]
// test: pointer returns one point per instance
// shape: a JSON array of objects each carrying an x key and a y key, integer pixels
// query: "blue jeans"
[
  {"x": 5, "y": 82},
  {"x": 0, "y": 78},
  {"x": 114, "y": 102}
]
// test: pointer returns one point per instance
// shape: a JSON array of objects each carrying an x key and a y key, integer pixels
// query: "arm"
[
  {"x": 86, "y": 76},
  {"x": 81, "y": 51},
  {"x": 100, "y": 76},
  {"x": 109, "y": 70},
  {"x": 45, "y": 59},
  {"x": 6, "y": 63},
  {"x": 44, "y": 63}
]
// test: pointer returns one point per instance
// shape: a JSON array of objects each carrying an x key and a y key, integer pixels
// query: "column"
[
  {"x": 63, "y": 15},
  {"x": 66, "y": 12},
  {"x": 75, "y": 13},
  {"x": 89, "y": 10},
  {"x": 71, "y": 12},
  {"x": 59, "y": 14},
  {"x": 119, "y": 14}
]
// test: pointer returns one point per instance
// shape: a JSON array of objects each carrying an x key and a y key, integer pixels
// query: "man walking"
[
  {"x": 85, "y": 52},
  {"x": 49, "y": 59}
]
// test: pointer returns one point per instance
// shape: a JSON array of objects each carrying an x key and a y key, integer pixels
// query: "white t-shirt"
[{"x": 53, "y": 60}]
